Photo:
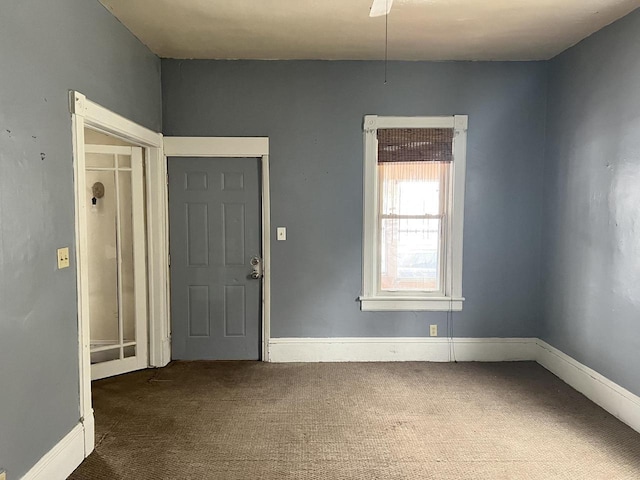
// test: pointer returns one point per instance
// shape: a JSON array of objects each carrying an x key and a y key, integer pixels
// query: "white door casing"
[
  {"x": 241, "y": 147},
  {"x": 87, "y": 114}
]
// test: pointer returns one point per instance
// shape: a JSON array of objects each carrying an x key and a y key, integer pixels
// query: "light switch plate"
[
  {"x": 63, "y": 261},
  {"x": 282, "y": 233}
]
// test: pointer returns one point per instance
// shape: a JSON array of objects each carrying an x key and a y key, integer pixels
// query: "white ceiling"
[{"x": 343, "y": 30}]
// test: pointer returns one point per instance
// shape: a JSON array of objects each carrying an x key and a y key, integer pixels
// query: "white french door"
[{"x": 116, "y": 259}]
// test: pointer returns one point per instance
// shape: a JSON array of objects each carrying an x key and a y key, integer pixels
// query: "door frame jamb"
[
  {"x": 240, "y": 147},
  {"x": 85, "y": 113}
]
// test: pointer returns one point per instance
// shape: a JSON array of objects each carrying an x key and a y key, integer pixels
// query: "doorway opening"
[
  {"x": 220, "y": 247},
  {"x": 121, "y": 248}
]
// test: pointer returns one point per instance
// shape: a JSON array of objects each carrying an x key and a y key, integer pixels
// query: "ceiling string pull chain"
[{"x": 386, "y": 40}]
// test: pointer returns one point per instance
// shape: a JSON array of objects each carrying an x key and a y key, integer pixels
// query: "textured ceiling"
[{"x": 343, "y": 30}]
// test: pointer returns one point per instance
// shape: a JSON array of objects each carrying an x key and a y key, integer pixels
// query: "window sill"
[{"x": 410, "y": 304}]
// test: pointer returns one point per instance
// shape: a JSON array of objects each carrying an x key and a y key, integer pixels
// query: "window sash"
[
  {"x": 440, "y": 248},
  {"x": 398, "y": 279},
  {"x": 443, "y": 178}
]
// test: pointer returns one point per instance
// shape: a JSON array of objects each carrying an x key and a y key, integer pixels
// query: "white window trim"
[{"x": 374, "y": 300}]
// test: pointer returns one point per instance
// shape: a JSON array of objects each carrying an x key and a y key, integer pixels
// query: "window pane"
[
  {"x": 105, "y": 356},
  {"x": 127, "y": 287},
  {"x": 411, "y": 221},
  {"x": 411, "y": 188},
  {"x": 410, "y": 254},
  {"x": 99, "y": 160},
  {"x": 102, "y": 259}
]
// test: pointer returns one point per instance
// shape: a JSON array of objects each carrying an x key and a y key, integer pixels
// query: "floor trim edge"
[
  {"x": 615, "y": 399},
  {"x": 401, "y": 349},
  {"x": 62, "y": 459}
]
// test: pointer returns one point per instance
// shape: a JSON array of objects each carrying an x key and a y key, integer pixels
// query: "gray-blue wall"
[
  {"x": 46, "y": 49},
  {"x": 313, "y": 112},
  {"x": 591, "y": 235},
  {"x": 585, "y": 300}
]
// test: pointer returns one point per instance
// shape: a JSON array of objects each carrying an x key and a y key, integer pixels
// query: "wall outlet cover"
[
  {"x": 63, "y": 262},
  {"x": 433, "y": 330}
]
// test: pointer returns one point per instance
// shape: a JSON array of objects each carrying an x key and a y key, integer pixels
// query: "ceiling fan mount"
[{"x": 380, "y": 8}]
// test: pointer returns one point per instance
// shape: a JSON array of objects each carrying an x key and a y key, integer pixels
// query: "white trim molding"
[
  {"x": 216, "y": 146},
  {"x": 401, "y": 349},
  {"x": 616, "y": 400},
  {"x": 380, "y": 303},
  {"x": 87, "y": 114},
  {"x": 449, "y": 297},
  {"x": 105, "y": 121},
  {"x": 158, "y": 258},
  {"x": 59, "y": 462}
]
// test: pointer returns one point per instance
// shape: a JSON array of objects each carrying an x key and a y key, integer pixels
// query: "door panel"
[
  {"x": 116, "y": 259},
  {"x": 214, "y": 214}
]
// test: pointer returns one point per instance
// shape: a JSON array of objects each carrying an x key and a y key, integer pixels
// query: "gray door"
[{"x": 215, "y": 224}]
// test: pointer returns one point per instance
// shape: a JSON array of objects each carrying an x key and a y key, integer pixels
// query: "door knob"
[{"x": 256, "y": 268}]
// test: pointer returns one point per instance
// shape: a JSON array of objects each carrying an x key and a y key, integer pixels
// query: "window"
[{"x": 413, "y": 213}]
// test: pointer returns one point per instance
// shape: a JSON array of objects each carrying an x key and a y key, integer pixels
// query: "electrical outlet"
[
  {"x": 433, "y": 330},
  {"x": 63, "y": 261},
  {"x": 3, "y": 475},
  {"x": 282, "y": 233}
]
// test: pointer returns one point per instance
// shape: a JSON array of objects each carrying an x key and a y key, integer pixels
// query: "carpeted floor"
[{"x": 251, "y": 420}]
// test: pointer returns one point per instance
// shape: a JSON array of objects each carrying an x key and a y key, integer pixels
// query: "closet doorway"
[{"x": 121, "y": 250}]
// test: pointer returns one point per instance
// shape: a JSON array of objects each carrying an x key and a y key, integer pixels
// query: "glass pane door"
[{"x": 115, "y": 240}]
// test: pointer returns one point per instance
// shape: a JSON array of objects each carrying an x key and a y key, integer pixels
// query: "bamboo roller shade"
[{"x": 415, "y": 145}]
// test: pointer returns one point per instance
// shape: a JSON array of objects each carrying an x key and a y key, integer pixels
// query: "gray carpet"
[{"x": 250, "y": 420}]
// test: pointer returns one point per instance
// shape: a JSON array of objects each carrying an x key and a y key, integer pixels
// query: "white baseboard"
[
  {"x": 62, "y": 459},
  {"x": 615, "y": 399},
  {"x": 401, "y": 349},
  {"x": 162, "y": 356},
  {"x": 89, "y": 433},
  {"x": 166, "y": 351}
]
